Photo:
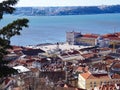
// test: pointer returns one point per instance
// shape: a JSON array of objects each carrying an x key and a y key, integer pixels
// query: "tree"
[{"x": 12, "y": 29}]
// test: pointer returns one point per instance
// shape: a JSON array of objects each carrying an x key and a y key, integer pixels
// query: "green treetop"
[{"x": 6, "y": 32}]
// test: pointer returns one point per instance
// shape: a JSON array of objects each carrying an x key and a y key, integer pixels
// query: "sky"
[{"x": 41, "y": 3}]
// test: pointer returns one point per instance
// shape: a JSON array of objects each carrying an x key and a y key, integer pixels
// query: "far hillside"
[{"x": 75, "y": 10}]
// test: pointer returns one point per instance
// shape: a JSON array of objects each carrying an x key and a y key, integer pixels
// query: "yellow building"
[{"x": 88, "y": 80}]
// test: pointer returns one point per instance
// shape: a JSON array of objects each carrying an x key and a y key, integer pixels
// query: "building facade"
[
  {"x": 71, "y": 37},
  {"x": 89, "y": 80},
  {"x": 102, "y": 42}
]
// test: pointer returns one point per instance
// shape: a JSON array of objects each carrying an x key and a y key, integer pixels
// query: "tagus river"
[{"x": 52, "y": 29}]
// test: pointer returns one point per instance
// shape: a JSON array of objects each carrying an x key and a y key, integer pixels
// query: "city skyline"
[{"x": 46, "y": 3}]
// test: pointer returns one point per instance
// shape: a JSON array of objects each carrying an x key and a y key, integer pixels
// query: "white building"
[
  {"x": 71, "y": 36},
  {"x": 102, "y": 42}
]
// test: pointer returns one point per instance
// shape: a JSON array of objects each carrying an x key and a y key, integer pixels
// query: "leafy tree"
[{"x": 12, "y": 29}]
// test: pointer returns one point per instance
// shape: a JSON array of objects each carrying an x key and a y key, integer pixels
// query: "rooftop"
[
  {"x": 31, "y": 52},
  {"x": 63, "y": 47},
  {"x": 21, "y": 69},
  {"x": 88, "y": 55},
  {"x": 89, "y": 75},
  {"x": 115, "y": 76},
  {"x": 91, "y": 35}
]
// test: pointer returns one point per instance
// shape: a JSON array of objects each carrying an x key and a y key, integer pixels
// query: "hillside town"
[{"x": 83, "y": 62}]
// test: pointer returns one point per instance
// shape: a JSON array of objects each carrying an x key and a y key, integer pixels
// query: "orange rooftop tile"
[
  {"x": 79, "y": 69},
  {"x": 89, "y": 55},
  {"x": 86, "y": 75},
  {"x": 89, "y": 75}
]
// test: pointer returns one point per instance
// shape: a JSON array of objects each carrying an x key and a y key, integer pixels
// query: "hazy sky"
[{"x": 66, "y": 2}]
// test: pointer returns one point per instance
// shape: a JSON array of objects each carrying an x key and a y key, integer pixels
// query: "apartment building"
[{"x": 89, "y": 80}]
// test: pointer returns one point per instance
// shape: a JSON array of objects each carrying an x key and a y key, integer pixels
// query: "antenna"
[{"x": 114, "y": 30}]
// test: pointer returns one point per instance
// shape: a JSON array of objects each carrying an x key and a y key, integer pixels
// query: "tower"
[{"x": 71, "y": 37}]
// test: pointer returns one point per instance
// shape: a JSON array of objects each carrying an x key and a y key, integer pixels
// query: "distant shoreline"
[
  {"x": 69, "y": 15},
  {"x": 73, "y": 10}
]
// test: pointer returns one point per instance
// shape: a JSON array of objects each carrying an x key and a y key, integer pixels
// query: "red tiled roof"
[
  {"x": 118, "y": 33},
  {"x": 30, "y": 61},
  {"x": 90, "y": 35},
  {"x": 116, "y": 65},
  {"x": 86, "y": 75},
  {"x": 86, "y": 68},
  {"x": 89, "y": 55},
  {"x": 34, "y": 69},
  {"x": 73, "y": 52},
  {"x": 79, "y": 69},
  {"x": 115, "y": 76},
  {"x": 99, "y": 76},
  {"x": 114, "y": 36},
  {"x": 110, "y": 35},
  {"x": 109, "y": 61},
  {"x": 17, "y": 48}
]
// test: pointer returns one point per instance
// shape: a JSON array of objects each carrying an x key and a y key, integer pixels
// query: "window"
[
  {"x": 116, "y": 81},
  {"x": 105, "y": 82},
  {"x": 94, "y": 84},
  {"x": 90, "y": 84}
]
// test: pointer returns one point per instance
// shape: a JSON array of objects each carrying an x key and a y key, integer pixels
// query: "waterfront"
[{"x": 52, "y": 29}]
